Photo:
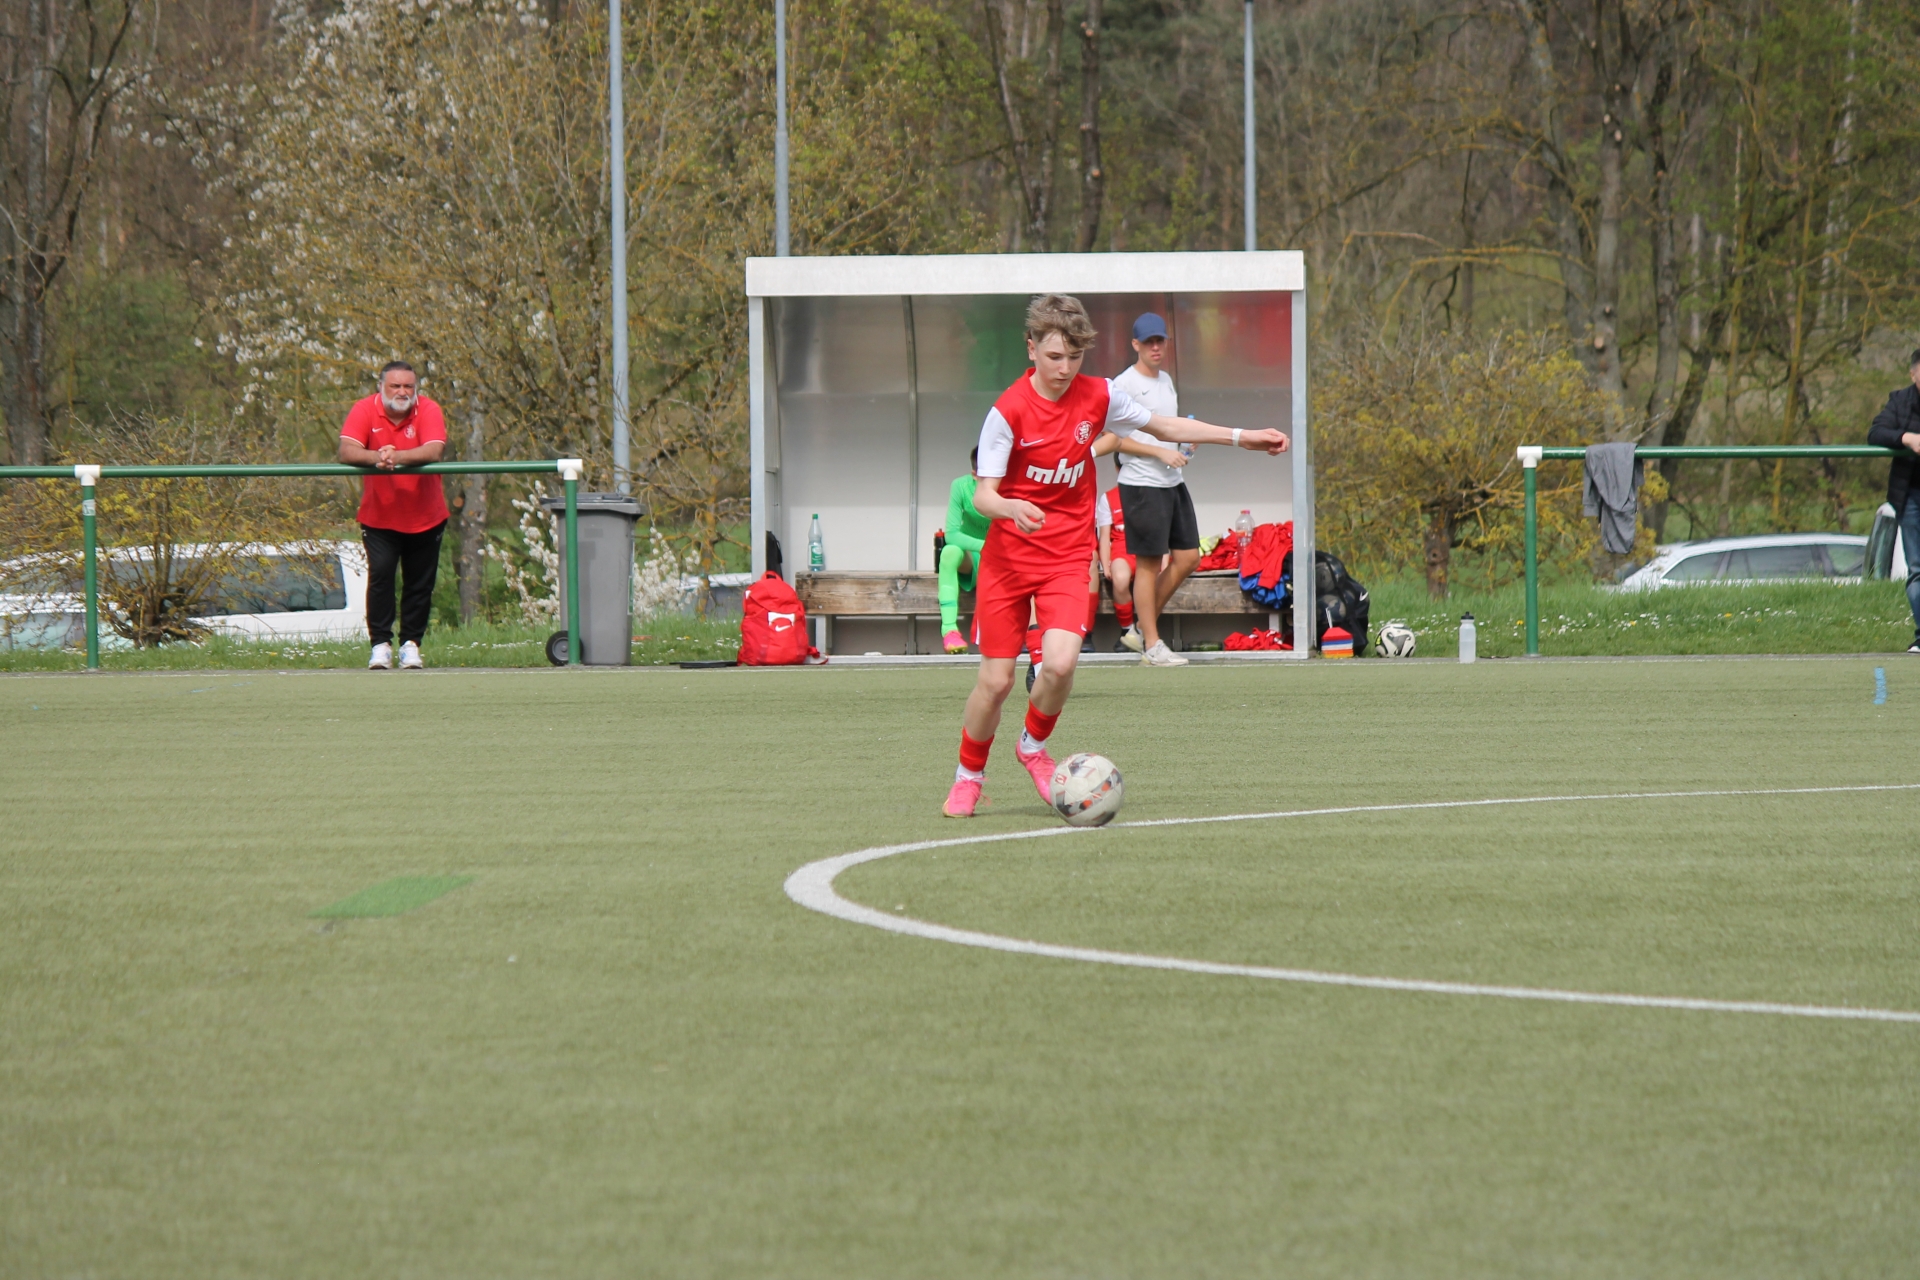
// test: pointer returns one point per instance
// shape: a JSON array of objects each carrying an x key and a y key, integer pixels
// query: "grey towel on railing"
[{"x": 1611, "y": 492}]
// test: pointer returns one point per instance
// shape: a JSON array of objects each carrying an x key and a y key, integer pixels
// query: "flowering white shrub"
[
  {"x": 656, "y": 580},
  {"x": 537, "y": 586}
]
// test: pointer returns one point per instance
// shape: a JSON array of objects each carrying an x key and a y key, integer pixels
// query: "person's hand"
[
  {"x": 386, "y": 462},
  {"x": 1268, "y": 441},
  {"x": 1173, "y": 458},
  {"x": 1911, "y": 439},
  {"x": 1106, "y": 570},
  {"x": 1026, "y": 517}
]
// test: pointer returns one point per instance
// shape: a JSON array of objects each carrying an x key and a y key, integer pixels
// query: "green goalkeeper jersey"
[{"x": 966, "y": 527}]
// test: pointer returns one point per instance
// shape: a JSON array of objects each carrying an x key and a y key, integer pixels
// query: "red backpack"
[{"x": 773, "y": 625}]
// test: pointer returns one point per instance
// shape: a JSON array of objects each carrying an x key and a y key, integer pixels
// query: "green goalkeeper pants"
[{"x": 952, "y": 583}]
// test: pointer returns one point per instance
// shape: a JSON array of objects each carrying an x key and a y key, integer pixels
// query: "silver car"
[{"x": 1774, "y": 557}]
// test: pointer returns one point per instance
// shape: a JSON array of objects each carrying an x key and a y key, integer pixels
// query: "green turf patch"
[{"x": 392, "y": 897}]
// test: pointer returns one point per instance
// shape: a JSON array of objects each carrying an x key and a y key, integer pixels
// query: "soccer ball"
[
  {"x": 1396, "y": 641},
  {"x": 1086, "y": 790}
]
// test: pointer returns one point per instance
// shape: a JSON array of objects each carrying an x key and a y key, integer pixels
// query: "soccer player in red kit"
[{"x": 1037, "y": 486}]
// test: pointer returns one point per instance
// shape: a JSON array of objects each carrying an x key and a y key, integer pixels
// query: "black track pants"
[{"x": 417, "y": 556}]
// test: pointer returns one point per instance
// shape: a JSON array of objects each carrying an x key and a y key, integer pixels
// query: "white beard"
[{"x": 398, "y": 408}]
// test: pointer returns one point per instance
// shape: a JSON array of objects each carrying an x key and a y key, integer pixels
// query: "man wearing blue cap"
[{"x": 1163, "y": 533}]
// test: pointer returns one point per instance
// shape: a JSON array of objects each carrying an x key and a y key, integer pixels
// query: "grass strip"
[{"x": 391, "y": 897}]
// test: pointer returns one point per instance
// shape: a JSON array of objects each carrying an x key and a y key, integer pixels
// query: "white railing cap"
[
  {"x": 1529, "y": 454},
  {"x": 87, "y": 473},
  {"x": 571, "y": 468}
]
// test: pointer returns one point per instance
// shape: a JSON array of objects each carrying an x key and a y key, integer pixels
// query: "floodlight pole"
[
  {"x": 1246, "y": 128},
  {"x": 782, "y": 242},
  {"x": 617, "y": 151}
]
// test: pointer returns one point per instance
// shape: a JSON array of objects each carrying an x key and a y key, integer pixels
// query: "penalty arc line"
[{"x": 812, "y": 887}]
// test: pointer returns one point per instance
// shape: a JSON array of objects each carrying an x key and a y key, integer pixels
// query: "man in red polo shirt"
[{"x": 401, "y": 516}]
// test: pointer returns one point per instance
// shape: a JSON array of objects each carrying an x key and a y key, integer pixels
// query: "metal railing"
[
  {"x": 570, "y": 470},
  {"x": 1531, "y": 456}
]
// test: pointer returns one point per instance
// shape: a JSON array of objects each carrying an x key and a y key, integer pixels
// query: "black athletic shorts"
[{"x": 1159, "y": 520}]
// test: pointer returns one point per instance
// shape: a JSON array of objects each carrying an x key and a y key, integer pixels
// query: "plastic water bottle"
[
  {"x": 1244, "y": 526},
  {"x": 1469, "y": 638},
  {"x": 816, "y": 548}
]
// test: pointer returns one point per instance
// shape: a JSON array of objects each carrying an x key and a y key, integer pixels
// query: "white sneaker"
[
  {"x": 410, "y": 657},
  {"x": 1161, "y": 656},
  {"x": 382, "y": 659},
  {"x": 1131, "y": 638}
]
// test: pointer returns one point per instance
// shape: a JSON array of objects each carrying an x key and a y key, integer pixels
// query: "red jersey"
[
  {"x": 400, "y": 503},
  {"x": 1048, "y": 450}
]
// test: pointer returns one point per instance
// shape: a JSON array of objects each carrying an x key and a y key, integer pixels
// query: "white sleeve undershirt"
[
  {"x": 1124, "y": 413},
  {"x": 1102, "y": 514},
  {"x": 996, "y": 445}
]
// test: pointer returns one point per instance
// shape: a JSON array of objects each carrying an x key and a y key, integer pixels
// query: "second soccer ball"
[{"x": 1396, "y": 640}]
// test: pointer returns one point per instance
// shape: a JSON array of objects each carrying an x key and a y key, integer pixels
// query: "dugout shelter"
[{"x": 871, "y": 376}]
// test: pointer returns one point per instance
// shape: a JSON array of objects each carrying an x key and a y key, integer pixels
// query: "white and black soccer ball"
[
  {"x": 1086, "y": 790},
  {"x": 1396, "y": 640}
]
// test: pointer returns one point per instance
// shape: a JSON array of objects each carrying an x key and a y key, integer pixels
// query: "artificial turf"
[{"x": 620, "y": 1050}]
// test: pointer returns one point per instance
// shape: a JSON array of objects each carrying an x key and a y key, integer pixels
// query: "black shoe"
[
  {"x": 1032, "y": 673},
  {"x": 1915, "y": 646}
]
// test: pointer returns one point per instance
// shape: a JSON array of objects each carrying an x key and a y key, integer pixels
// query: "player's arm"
[
  {"x": 1193, "y": 431},
  {"x": 959, "y": 517},
  {"x": 989, "y": 502},
  {"x": 1106, "y": 551}
]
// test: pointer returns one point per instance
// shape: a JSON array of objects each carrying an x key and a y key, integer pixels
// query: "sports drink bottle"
[
  {"x": 816, "y": 549},
  {"x": 1469, "y": 638},
  {"x": 1243, "y": 527}
]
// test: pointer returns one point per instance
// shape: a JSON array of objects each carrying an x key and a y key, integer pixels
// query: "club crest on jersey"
[
  {"x": 1062, "y": 474},
  {"x": 1083, "y": 432}
]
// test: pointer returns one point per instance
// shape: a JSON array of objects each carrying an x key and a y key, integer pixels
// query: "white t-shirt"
[
  {"x": 1124, "y": 417},
  {"x": 1158, "y": 396}
]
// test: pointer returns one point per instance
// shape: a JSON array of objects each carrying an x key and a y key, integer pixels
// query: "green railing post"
[
  {"x": 570, "y": 471},
  {"x": 89, "y": 477},
  {"x": 1530, "y": 466}
]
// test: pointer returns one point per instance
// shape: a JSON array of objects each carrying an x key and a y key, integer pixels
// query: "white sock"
[
  {"x": 1029, "y": 744},
  {"x": 964, "y": 774}
]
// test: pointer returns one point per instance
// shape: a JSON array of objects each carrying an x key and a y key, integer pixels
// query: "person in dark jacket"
[{"x": 1897, "y": 426}]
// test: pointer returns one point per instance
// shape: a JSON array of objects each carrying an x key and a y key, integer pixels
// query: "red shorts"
[{"x": 1058, "y": 597}]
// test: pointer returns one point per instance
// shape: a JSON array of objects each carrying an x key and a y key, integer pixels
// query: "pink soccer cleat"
[
  {"x": 1041, "y": 766},
  {"x": 962, "y": 800},
  {"x": 954, "y": 642}
]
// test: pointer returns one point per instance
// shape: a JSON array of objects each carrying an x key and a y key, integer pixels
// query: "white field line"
[{"x": 812, "y": 887}]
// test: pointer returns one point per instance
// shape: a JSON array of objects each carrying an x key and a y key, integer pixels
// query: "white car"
[
  {"x": 306, "y": 591},
  {"x": 1766, "y": 558}
]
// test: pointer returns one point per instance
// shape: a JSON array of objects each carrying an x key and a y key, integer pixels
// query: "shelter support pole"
[
  {"x": 1250, "y": 194},
  {"x": 89, "y": 477},
  {"x": 570, "y": 471},
  {"x": 1530, "y": 468}
]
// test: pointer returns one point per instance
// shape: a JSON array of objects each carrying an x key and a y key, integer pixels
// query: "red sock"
[
  {"x": 1124, "y": 612},
  {"x": 1093, "y": 611},
  {"x": 1039, "y": 724},
  {"x": 973, "y": 755},
  {"x": 1033, "y": 644}
]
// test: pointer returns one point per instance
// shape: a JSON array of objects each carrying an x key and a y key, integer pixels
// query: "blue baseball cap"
[{"x": 1149, "y": 326}]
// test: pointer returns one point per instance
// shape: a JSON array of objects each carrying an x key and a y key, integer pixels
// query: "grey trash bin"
[{"x": 606, "y": 577}]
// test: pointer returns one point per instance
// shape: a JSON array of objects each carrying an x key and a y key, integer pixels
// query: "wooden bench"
[{"x": 868, "y": 611}]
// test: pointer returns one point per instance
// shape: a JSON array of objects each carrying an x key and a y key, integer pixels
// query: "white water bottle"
[
  {"x": 1469, "y": 638},
  {"x": 1244, "y": 526},
  {"x": 816, "y": 548}
]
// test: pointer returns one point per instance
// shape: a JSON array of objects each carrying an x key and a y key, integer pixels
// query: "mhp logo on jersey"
[{"x": 1062, "y": 474}]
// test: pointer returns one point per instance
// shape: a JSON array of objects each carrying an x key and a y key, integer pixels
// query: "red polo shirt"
[{"x": 399, "y": 503}]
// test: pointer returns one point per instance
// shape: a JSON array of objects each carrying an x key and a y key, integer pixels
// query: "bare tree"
[
  {"x": 1093, "y": 182},
  {"x": 67, "y": 66}
]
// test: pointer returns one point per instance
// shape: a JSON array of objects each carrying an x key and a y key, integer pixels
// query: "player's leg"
[
  {"x": 383, "y": 560},
  {"x": 1120, "y": 574},
  {"x": 1062, "y": 630},
  {"x": 954, "y": 564},
  {"x": 1183, "y": 547},
  {"x": 1093, "y": 601},
  {"x": 999, "y": 628},
  {"x": 1149, "y": 521}
]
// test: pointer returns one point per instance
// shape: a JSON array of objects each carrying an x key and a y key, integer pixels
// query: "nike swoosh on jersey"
[{"x": 1028, "y": 444}]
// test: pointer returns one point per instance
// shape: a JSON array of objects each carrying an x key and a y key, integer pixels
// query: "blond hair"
[{"x": 1058, "y": 313}]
